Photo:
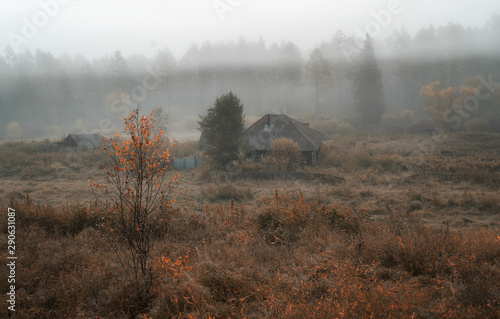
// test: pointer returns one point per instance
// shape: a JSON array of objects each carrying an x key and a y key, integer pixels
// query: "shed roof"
[
  {"x": 271, "y": 126},
  {"x": 83, "y": 140}
]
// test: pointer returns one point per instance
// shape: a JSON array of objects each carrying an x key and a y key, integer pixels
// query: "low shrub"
[
  {"x": 283, "y": 156},
  {"x": 345, "y": 129},
  {"x": 326, "y": 126},
  {"x": 329, "y": 155},
  {"x": 14, "y": 130},
  {"x": 55, "y": 221},
  {"x": 398, "y": 123},
  {"x": 490, "y": 201},
  {"x": 283, "y": 218},
  {"x": 247, "y": 165},
  {"x": 226, "y": 192},
  {"x": 477, "y": 125},
  {"x": 35, "y": 160},
  {"x": 388, "y": 162},
  {"x": 356, "y": 158}
]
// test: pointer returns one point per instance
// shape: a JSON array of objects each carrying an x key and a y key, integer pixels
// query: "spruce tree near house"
[
  {"x": 222, "y": 128},
  {"x": 367, "y": 86}
]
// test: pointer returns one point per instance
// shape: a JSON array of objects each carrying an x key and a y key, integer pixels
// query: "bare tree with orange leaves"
[{"x": 137, "y": 197}]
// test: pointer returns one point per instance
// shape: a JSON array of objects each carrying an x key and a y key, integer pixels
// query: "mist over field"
[
  {"x": 250, "y": 159},
  {"x": 79, "y": 66}
]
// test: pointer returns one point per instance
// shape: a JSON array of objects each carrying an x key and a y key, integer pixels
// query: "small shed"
[
  {"x": 261, "y": 134},
  {"x": 89, "y": 141}
]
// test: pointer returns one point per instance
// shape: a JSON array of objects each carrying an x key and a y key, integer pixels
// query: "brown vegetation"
[
  {"x": 283, "y": 156},
  {"x": 287, "y": 257},
  {"x": 380, "y": 244}
]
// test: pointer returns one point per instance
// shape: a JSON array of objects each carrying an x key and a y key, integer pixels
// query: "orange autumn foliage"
[
  {"x": 138, "y": 198},
  {"x": 440, "y": 100}
]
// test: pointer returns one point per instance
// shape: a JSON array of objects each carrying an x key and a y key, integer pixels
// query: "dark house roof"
[
  {"x": 82, "y": 140},
  {"x": 271, "y": 126}
]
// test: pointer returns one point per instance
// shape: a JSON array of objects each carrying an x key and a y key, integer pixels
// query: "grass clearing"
[{"x": 380, "y": 243}]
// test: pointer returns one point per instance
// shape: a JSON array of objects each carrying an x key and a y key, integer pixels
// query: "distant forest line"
[{"x": 46, "y": 96}]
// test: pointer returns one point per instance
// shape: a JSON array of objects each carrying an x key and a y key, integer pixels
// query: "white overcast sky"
[{"x": 98, "y": 27}]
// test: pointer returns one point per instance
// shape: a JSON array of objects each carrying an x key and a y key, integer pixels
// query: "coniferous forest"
[{"x": 46, "y": 95}]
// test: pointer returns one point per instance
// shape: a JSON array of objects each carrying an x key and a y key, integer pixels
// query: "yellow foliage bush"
[
  {"x": 284, "y": 154},
  {"x": 14, "y": 130}
]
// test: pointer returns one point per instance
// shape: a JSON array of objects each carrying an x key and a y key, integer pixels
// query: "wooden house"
[{"x": 260, "y": 135}]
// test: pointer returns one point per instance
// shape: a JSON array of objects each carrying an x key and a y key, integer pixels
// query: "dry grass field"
[{"x": 412, "y": 231}]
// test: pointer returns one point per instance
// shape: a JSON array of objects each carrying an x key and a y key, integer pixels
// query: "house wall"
[{"x": 306, "y": 158}]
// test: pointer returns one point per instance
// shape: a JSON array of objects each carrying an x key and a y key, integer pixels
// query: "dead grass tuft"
[{"x": 226, "y": 191}]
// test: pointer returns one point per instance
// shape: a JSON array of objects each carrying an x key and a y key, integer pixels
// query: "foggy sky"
[{"x": 98, "y": 27}]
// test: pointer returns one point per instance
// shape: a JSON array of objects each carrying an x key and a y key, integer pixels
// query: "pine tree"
[
  {"x": 222, "y": 127},
  {"x": 367, "y": 86}
]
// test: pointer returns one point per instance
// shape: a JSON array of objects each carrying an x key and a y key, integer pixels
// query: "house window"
[
  {"x": 257, "y": 158},
  {"x": 268, "y": 128}
]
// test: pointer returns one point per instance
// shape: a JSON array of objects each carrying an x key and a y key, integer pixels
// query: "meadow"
[{"x": 409, "y": 228}]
